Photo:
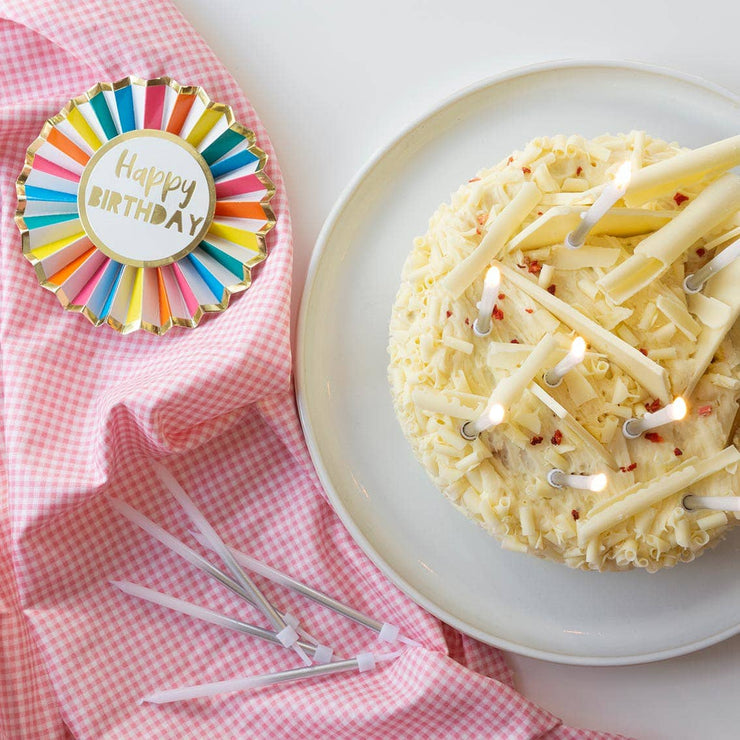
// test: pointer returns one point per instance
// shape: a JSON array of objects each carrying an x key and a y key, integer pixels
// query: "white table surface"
[{"x": 333, "y": 81}]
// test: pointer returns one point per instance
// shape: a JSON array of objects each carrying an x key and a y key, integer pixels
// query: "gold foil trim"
[{"x": 229, "y": 290}]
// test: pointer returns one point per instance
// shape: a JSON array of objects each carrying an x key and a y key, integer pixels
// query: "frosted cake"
[{"x": 648, "y": 341}]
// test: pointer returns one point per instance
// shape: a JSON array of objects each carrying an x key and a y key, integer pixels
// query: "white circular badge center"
[{"x": 146, "y": 198}]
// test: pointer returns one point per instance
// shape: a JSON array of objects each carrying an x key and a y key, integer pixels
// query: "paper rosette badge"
[{"x": 144, "y": 205}]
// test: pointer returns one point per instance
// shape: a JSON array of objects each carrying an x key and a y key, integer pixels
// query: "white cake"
[{"x": 644, "y": 349}]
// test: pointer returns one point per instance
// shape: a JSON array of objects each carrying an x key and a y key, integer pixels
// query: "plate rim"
[{"x": 318, "y": 254}]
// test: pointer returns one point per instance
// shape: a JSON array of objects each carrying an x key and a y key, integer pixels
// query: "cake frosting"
[{"x": 648, "y": 341}]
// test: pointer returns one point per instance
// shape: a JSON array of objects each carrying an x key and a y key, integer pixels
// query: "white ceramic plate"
[{"x": 439, "y": 558}]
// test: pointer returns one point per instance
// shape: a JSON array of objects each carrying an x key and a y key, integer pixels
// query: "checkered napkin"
[{"x": 82, "y": 409}]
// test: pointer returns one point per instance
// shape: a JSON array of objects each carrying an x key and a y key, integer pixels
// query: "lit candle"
[
  {"x": 482, "y": 325},
  {"x": 491, "y": 417},
  {"x": 695, "y": 282},
  {"x": 715, "y": 503},
  {"x": 558, "y": 479},
  {"x": 675, "y": 411},
  {"x": 609, "y": 196},
  {"x": 554, "y": 377}
]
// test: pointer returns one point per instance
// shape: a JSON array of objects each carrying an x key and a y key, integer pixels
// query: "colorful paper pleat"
[{"x": 72, "y": 263}]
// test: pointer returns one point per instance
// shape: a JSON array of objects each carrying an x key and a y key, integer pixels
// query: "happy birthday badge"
[{"x": 144, "y": 205}]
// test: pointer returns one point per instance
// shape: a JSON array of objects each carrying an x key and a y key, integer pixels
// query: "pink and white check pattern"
[{"x": 82, "y": 409}]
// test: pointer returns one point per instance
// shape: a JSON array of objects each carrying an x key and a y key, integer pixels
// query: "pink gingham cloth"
[{"x": 82, "y": 410}]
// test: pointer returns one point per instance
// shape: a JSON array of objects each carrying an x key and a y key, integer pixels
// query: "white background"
[{"x": 334, "y": 81}]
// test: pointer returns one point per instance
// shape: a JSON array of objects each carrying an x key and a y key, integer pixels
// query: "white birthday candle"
[
  {"x": 386, "y": 631},
  {"x": 491, "y": 417},
  {"x": 187, "y": 553},
  {"x": 609, "y": 196},
  {"x": 321, "y": 653},
  {"x": 675, "y": 411},
  {"x": 558, "y": 479},
  {"x": 287, "y": 634},
  {"x": 695, "y": 281},
  {"x": 482, "y": 325},
  {"x": 715, "y": 503},
  {"x": 575, "y": 356},
  {"x": 362, "y": 662}
]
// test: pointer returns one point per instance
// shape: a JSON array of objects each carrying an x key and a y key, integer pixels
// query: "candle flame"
[
  {"x": 623, "y": 175},
  {"x": 496, "y": 413},
  {"x": 678, "y": 409},
  {"x": 492, "y": 279},
  {"x": 598, "y": 482},
  {"x": 578, "y": 349}
]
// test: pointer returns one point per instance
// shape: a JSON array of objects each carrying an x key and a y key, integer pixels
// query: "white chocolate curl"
[
  {"x": 665, "y": 177},
  {"x": 643, "y": 495},
  {"x": 558, "y": 221},
  {"x": 726, "y": 296},
  {"x": 499, "y": 232},
  {"x": 655, "y": 254},
  {"x": 508, "y": 391}
]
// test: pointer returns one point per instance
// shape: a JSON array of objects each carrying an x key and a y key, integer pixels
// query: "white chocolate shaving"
[
  {"x": 579, "y": 389},
  {"x": 573, "y": 427},
  {"x": 557, "y": 222},
  {"x": 508, "y": 390},
  {"x": 545, "y": 277},
  {"x": 458, "y": 344},
  {"x": 665, "y": 177},
  {"x": 577, "y": 259},
  {"x": 723, "y": 287},
  {"x": 676, "y": 312},
  {"x": 499, "y": 232},
  {"x": 711, "y": 312},
  {"x": 436, "y": 402}
]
